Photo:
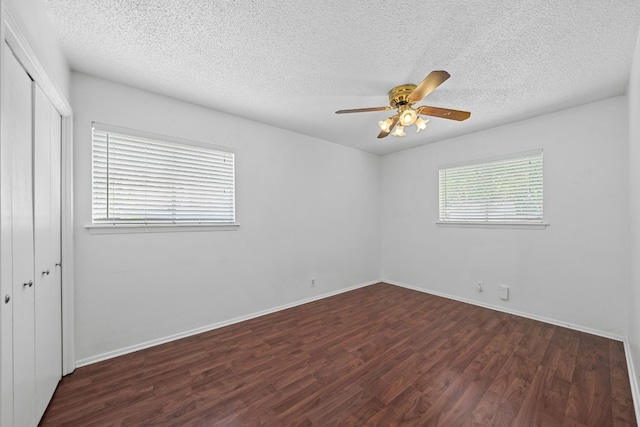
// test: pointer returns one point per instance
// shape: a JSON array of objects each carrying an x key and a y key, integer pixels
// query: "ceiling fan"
[{"x": 402, "y": 98}]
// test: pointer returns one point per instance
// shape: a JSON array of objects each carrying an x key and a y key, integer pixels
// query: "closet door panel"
[
  {"x": 56, "y": 224},
  {"x": 41, "y": 187},
  {"x": 56, "y": 199},
  {"x": 6, "y": 263},
  {"x": 18, "y": 107},
  {"x": 48, "y": 363}
]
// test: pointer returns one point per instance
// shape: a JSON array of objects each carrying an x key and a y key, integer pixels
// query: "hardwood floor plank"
[
  {"x": 621, "y": 407},
  {"x": 380, "y": 355},
  {"x": 363, "y": 413},
  {"x": 532, "y": 411},
  {"x": 485, "y": 410}
]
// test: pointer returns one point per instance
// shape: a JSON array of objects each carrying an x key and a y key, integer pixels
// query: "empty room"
[{"x": 242, "y": 213}]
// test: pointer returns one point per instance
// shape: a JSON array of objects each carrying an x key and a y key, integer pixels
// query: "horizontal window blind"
[
  {"x": 507, "y": 190},
  {"x": 140, "y": 180}
]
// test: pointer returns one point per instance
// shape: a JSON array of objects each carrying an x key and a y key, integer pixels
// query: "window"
[
  {"x": 504, "y": 190},
  {"x": 148, "y": 179}
]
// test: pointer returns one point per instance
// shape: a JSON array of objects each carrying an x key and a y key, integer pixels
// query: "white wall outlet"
[
  {"x": 504, "y": 292},
  {"x": 479, "y": 287},
  {"x": 312, "y": 282}
]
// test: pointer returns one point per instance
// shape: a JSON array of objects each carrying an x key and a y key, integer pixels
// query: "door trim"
[{"x": 20, "y": 47}]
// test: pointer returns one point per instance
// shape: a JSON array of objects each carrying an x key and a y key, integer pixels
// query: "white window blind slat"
[
  {"x": 146, "y": 180},
  {"x": 505, "y": 190}
]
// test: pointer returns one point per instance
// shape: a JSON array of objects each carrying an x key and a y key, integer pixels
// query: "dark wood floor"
[{"x": 380, "y": 355}]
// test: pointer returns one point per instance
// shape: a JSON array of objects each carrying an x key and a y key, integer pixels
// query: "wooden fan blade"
[
  {"x": 363, "y": 110},
  {"x": 383, "y": 133},
  {"x": 428, "y": 85},
  {"x": 444, "y": 113}
]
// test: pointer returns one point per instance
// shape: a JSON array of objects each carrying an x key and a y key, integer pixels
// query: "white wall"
[
  {"x": 32, "y": 20},
  {"x": 575, "y": 271},
  {"x": 305, "y": 206},
  {"x": 634, "y": 202}
]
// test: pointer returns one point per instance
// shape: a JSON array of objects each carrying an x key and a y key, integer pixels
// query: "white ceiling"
[{"x": 292, "y": 64}]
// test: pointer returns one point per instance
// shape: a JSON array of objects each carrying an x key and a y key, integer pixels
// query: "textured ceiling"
[{"x": 291, "y": 64}]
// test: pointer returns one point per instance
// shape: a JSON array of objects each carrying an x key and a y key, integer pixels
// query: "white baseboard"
[
  {"x": 163, "y": 340},
  {"x": 508, "y": 311},
  {"x": 633, "y": 379}
]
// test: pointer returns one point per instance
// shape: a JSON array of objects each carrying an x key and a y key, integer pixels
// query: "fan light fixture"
[
  {"x": 407, "y": 117},
  {"x": 399, "y": 131},
  {"x": 386, "y": 125},
  {"x": 421, "y": 124}
]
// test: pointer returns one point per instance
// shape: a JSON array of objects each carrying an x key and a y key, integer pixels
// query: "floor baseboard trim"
[
  {"x": 514, "y": 312},
  {"x": 126, "y": 350},
  {"x": 633, "y": 378}
]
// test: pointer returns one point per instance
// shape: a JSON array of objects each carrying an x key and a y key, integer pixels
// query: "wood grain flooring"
[{"x": 380, "y": 355}]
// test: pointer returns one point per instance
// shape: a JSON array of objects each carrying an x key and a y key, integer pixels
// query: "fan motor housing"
[{"x": 398, "y": 95}]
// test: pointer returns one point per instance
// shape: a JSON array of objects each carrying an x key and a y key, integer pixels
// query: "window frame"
[
  {"x": 158, "y": 227},
  {"x": 525, "y": 224}
]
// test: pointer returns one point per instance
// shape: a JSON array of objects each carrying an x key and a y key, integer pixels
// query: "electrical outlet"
[
  {"x": 312, "y": 282},
  {"x": 479, "y": 287}
]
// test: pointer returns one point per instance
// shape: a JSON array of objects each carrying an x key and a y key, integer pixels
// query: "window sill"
[
  {"x": 156, "y": 228},
  {"x": 503, "y": 225}
]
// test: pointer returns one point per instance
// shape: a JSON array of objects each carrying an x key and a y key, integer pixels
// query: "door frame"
[{"x": 18, "y": 44}]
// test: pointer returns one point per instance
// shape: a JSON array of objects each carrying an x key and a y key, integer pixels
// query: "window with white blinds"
[
  {"x": 144, "y": 179},
  {"x": 505, "y": 190}
]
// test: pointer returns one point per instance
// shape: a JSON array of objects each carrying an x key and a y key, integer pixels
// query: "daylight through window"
[
  {"x": 505, "y": 190},
  {"x": 143, "y": 179}
]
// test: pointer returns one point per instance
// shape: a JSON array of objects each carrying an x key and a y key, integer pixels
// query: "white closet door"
[
  {"x": 6, "y": 264},
  {"x": 56, "y": 240},
  {"x": 56, "y": 210},
  {"x": 48, "y": 316},
  {"x": 56, "y": 205},
  {"x": 18, "y": 121}
]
